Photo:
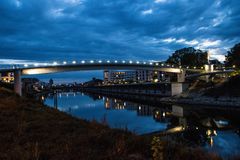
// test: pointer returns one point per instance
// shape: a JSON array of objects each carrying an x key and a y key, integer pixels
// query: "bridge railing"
[{"x": 89, "y": 62}]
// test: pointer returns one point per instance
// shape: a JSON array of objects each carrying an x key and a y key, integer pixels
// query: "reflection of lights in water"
[
  {"x": 103, "y": 98},
  {"x": 99, "y": 97},
  {"x": 107, "y": 105},
  {"x": 124, "y": 104},
  {"x": 91, "y": 105},
  {"x": 67, "y": 94},
  {"x": 215, "y": 132},
  {"x": 156, "y": 114},
  {"x": 176, "y": 129},
  {"x": 115, "y": 100},
  {"x": 197, "y": 128},
  {"x": 139, "y": 107},
  {"x": 211, "y": 141},
  {"x": 74, "y": 94},
  {"x": 75, "y": 107},
  {"x": 60, "y": 95},
  {"x": 210, "y": 134},
  {"x": 164, "y": 114},
  {"x": 42, "y": 98}
]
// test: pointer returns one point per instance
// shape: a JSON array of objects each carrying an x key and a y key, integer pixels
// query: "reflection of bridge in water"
[{"x": 104, "y": 65}]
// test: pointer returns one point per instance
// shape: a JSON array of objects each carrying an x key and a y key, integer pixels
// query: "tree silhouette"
[
  {"x": 188, "y": 57},
  {"x": 233, "y": 56}
]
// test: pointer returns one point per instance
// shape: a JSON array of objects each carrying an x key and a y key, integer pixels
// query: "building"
[
  {"x": 119, "y": 76},
  {"x": 139, "y": 76},
  {"x": 7, "y": 77},
  {"x": 31, "y": 84}
]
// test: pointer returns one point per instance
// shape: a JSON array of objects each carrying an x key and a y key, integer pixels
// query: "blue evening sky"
[{"x": 58, "y": 30}]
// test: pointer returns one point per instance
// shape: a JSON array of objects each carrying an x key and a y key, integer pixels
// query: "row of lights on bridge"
[{"x": 100, "y": 61}]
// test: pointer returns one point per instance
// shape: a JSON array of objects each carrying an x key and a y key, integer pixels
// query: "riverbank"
[
  {"x": 214, "y": 93},
  {"x": 198, "y": 99},
  {"x": 30, "y": 130}
]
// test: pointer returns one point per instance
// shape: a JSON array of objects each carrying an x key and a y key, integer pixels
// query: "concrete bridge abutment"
[
  {"x": 208, "y": 68},
  {"x": 181, "y": 76},
  {"x": 18, "y": 82}
]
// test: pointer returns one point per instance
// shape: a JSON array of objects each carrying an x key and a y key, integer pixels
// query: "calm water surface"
[{"x": 215, "y": 129}]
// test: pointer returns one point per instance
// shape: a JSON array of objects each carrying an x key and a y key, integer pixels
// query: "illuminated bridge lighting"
[
  {"x": 25, "y": 65},
  {"x": 138, "y": 62},
  {"x": 116, "y": 61},
  {"x": 99, "y": 61},
  {"x": 74, "y": 62},
  {"x": 54, "y": 63},
  {"x": 91, "y": 61},
  {"x": 123, "y": 61},
  {"x": 157, "y": 64},
  {"x": 130, "y": 62},
  {"x": 64, "y": 62},
  {"x": 151, "y": 63},
  {"x": 36, "y": 64},
  {"x": 144, "y": 63},
  {"x": 82, "y": 62},
  {"x": 108, "y": 61}
]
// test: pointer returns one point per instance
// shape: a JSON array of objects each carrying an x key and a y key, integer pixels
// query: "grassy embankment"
[
  {"x": 30, "y": 130},
  {"x": 230, "y": 88}
]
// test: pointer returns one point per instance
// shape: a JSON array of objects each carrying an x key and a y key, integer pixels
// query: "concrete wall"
[{"x": 176, "y": 88}]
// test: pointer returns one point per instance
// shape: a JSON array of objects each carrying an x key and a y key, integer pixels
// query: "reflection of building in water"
[
  {"x": 210, "y": 134},
  {"x": 113, "y": 104},
  {"x": 144, "y": 110},
  {"x": 161, "y": 115}
]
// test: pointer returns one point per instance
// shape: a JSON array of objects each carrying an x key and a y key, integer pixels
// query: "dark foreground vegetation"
[{"x": 30, "y": 130}]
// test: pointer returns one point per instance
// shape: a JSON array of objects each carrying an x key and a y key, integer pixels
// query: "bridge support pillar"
[
  {"x": 17, "y": 82},
  {"x": 181, "y": 76},
  {"x": 208, "y": 68}
]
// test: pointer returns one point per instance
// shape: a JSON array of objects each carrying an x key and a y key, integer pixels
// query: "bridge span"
[
  {"x": 92, "y": 65},
  {"x": 105, "y": 65}
]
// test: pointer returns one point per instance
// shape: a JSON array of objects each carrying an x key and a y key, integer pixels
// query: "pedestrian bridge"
[
  {"x": 93, "y": 65},
  {"x": 104, "y": 65}
]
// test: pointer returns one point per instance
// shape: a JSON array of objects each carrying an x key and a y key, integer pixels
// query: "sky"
[{"x": 59, "y": 30}]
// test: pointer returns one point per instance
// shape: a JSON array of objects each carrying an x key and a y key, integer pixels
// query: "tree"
[
  {"x": 233, "y": 56},
  {"x": 188, "y": 57}
]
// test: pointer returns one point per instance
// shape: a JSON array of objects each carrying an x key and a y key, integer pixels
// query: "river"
[{"x": 212, "y": 128}]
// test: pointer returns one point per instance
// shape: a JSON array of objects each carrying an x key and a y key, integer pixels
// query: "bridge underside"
[{"x": 66, "y": 68}]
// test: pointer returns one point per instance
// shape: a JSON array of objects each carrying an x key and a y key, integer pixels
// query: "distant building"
[
  {"x": 31, "y": 84},
  {"x": 7, "y": 77},
  {"x": 93, "y": 82},
  {"x": 119, "y": 76},
  {"x": 50, "y": 82},
  {"x": 122, "y": 77},
  {"x": 217, "y": 64}
]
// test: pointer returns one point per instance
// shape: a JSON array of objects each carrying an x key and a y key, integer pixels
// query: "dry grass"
[{"x": 30, "y": 130}]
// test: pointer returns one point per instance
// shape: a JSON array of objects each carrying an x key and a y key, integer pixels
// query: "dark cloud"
[{"x": 107, "y": 29}]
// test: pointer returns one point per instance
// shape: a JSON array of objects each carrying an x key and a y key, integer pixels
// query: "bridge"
[{"x": 101, "y": 65}]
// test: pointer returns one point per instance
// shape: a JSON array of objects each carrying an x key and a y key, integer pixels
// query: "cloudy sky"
[
  {"x": 49, "y": 30},
  {"x": 59, "y": 30}
]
